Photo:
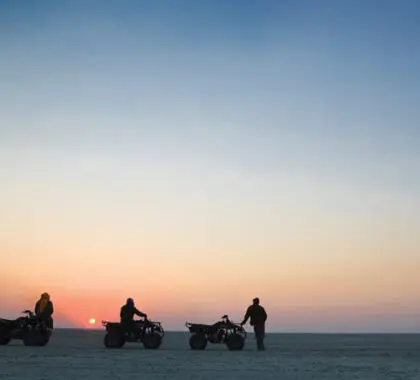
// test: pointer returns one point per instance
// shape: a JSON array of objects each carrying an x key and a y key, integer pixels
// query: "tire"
[
  {"x": 4, "y": 341},
  {"x": 4, "y": 336},
  {"x": 235, "y": 342},
  {"x": 160, "y": 331},
  {"x": 198, "y": 341},
  {"x": 114, "y": 340},
  {"x": 44, "y": 339},
  {"x": 152, "y": 341},
  {"x": 35, "y": 338}
]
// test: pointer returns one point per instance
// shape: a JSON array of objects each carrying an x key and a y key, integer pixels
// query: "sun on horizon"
[{"x": 92, "y": 321}]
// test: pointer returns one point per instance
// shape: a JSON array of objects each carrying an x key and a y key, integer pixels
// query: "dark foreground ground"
[{"x": 78, "y": 354}]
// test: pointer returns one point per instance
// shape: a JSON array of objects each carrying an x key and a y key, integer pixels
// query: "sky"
[{"x": 193, "y": 155}]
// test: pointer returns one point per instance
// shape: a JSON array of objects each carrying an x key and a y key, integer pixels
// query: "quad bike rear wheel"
[
  {"x": 235, "y": 342},
  {"x": 198, "y": 341},
  {"x": 4, "y": 335},
  {"x": 114, "y": 339},
  {"x": 36, "y": 338},
  {"x": 152, "y": 341},
  {"x": 4, "y": 340}
]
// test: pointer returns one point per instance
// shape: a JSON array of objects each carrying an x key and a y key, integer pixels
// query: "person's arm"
[
  {"x": 264, "y": 314},
  {"x": 121, "y": 312},
  {"x": 247, "y": 315},
  {"x": 139, "y": 313},
  {"x": 37, "y": 308}
]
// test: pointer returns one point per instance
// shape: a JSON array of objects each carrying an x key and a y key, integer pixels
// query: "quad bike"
[
  {"x": 225, "y": 331},
  {"x": 150, "y": 333},
  {"x": 29, "y": 329}
]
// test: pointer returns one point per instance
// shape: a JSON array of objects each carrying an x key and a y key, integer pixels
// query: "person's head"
[
  {"x": 130, "y": 302},
  {"x": 45, "y": 296},
  {"x": 256, "y": 301}
]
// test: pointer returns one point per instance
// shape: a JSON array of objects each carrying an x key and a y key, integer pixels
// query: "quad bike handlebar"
[
  {"x": 150, "y": 322},
  {"x": 29, "y": 313},
  {"x": 226, "y": 319}
]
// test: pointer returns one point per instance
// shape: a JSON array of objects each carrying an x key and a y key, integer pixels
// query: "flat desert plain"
[{"x": 80, "y": 354}]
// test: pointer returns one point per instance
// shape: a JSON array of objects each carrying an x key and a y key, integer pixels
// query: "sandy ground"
[{"x": 75, "y": 354}]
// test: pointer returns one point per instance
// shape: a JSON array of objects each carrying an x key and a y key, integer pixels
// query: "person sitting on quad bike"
[
  {"x": 127, "y": 314},
  {"x": 44, "y": 310}
]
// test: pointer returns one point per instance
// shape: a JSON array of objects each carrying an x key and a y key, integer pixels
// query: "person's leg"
[
  {"x": 131, "y": 329},
  {"x": 257, "y": 335},
  {"x": 262, "y": 336},
  {"x": 259, "y": 331},
  {"x": 50, "y": 323},
  {"x": 125, "y": 328}
]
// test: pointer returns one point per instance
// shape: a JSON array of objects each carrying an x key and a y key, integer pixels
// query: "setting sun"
[{"x": 92, "y": 321}]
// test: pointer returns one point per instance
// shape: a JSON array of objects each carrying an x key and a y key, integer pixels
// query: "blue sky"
[
  {"x": 331, "y": 88},
  {"x": 300, "y": 116}
]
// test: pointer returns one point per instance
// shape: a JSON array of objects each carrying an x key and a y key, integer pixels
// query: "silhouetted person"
[
  {"x": 258, "y": 316},
  {"x": 44, "y": 310},
  {"x": 127, "y": 314}
]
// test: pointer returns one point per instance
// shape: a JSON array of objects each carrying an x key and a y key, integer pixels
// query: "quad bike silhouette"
[
  {"x": 150, "y": 333},
  {"x": 30, "y": 329},
  {"x": 222, "y": 332}
]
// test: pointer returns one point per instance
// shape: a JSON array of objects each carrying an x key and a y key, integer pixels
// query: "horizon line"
[{"x": 268, "y": 333}]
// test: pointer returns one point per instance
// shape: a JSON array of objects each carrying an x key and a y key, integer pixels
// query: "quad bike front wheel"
[
  {"x": 235, "y": 342},
  {"x": 152, "y": 341},
  {"x": 160, "y": 331},
  {"x": 114, "y": 340},
  {"x": 36, "y": 338},
  {"x": 198, "y": 341}
]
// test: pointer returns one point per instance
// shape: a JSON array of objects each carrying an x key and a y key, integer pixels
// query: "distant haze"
[{"x": 193, "y": 155}]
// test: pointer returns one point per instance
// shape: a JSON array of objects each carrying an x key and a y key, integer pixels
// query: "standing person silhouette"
[
  {"x": 44, "y": 309},
  {"x": 258, "y": 316}
]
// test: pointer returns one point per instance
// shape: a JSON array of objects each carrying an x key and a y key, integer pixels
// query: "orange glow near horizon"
[
  {"x": 198, "y": 264},
  {"x": 312, "y": 294}
]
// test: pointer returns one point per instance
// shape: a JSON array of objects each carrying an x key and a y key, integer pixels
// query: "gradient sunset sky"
[{"x": 196, "y": 154}]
